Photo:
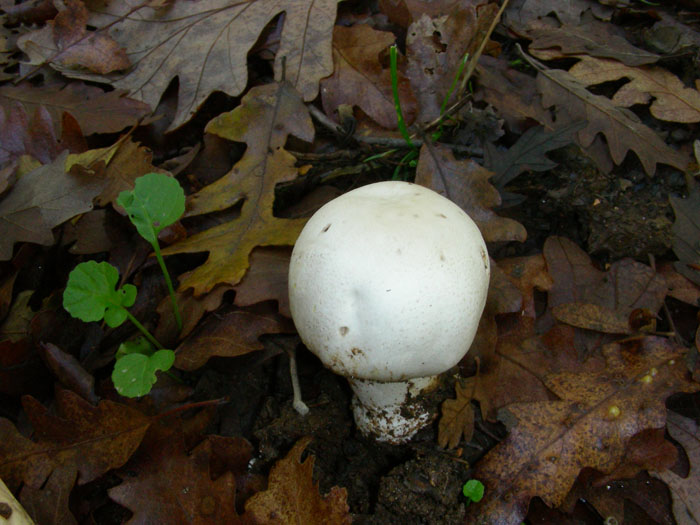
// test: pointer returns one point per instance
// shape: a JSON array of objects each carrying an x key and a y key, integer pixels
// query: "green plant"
[
  {"x": 156, "y": 202},
  {"x": 91, "y": 293},
  {"x": 473, "y": 490}
]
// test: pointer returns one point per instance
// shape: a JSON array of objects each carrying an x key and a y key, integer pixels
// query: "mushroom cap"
[{"x": 388, "y": 282}]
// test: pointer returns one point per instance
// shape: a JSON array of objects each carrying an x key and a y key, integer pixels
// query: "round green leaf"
[
  {"x": 156, "y": 202},
  {"x": 473, "y": 490},
  {"x": 135, "y": 374},
  {"x": 90, "y": 294}
]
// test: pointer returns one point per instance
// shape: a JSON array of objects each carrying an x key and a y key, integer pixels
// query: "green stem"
[
  {"x": 143, "y": 330},
  {"x": 397, "y": 102},
  {"x": 173, "y": 376},
  {"x": 169, "y": 283}
]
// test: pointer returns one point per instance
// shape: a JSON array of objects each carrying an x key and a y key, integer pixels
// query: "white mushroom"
[{"x": 387, "y": 284}]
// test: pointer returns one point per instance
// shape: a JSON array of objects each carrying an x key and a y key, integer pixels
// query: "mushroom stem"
[
  {"x": 391, "y": 411},
  {"x": 298, "y": 403}
]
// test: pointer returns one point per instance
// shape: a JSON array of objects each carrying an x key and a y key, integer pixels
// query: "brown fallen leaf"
[
  {"x": 41, "y": 200},
  {"x": 520, "y": 15},
  {"x": 205, "y": 45},
  {"x": 684, "y": 491},
  {"x": 623, "y": 130},
  {"x": 49, "y": 503},
  {"x": 69, "y": 371},
  {"x": 266, "y": 117},
  {"x": 20, "y": 135},
  {"x": 95, "y": 110},
  {"x": 592, "y": 317},
  {"x": 457, "y": 418},
  {"x": 467, "y": 184},
  {"x": 590, "y": 39},
  {"x": 360, "y": 80},
  {"x": 89, "y": 439},
  {"x": 672, "y": 100},
  {"x": 228, "y": 335},
  {"x": 597, "y": 414},
  {"x": 293, "y": 497},
  {"x": 78, "y": 48},
  {"x": 434, "y": 51},
  {"x": 172, "y": 486},
  {"x": 266, "y": 279}
]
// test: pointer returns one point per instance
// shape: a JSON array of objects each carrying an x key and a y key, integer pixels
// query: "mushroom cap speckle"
[{"x": 388, "y": 282}]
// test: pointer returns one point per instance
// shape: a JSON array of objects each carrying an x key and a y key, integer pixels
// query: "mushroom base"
[{"x": 391, "y": 412}]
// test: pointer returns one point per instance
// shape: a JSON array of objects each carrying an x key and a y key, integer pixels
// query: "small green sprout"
[
  {"x": 156, "y": 202},
  {"x": 91, "y": 295},
  {"x": 473, "y": 490},
  {"x": 135, "y": 370}
]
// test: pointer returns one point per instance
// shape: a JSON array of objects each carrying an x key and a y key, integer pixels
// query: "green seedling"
[
  {"x": 135, "y": 370},
  {"x": 156, "y": 202},
  {"x": 473, "y": 490},
  {"x": 91, "y": 295},
  {"x": 397, "y": 102}
]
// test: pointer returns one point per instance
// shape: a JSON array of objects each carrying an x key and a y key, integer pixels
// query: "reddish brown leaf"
[
  {"x": 228, "y": 335},
  {"x": 95, "y": 110},
  {"x": 457, "y": 419},
  {"x": 77, "y": 47},
  {"x": 590, "y": 426},
  {"x": 49, "y": 504},
  {"x": 592, "y": 317},
  {"x": 69, "y": 372},
  {"x": 467, "y": 184},
  {"x": 19, "y": 135},
  {"x": 293, "y": 497},
  {"x": 92, "y": 440},
  {"x": 172, "y": 486},
  {"x": 360, "y": 80}
]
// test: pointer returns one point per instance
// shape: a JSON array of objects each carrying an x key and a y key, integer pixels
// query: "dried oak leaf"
[
  {"x": 586, "y": 297},
  {"x": 457, "y": 418},
  {"x": 593, "y": 38},
  {"x": 434, "y": 51},
  {"x": 48, "y": 505},
  {"x": 623, "y": 130},
  {"x": 520, "y": 14},
  {"x": 266, "y": 117},
  {"x": 205, "y": 45},
  {"x": 684, "y": 491},
  {"x": 597, "y": 414},
  {"x": 95, "y": 110},
  {"x": 673, "y": 101},
  {"x": 90, "y": 439},
  {"x": 528, "y": 153},
  {"x": 228, "y": 335},
  {"x": 41, "y": 200},
  {"x": 360, "y": 80},
  {"x": 467, "y": 184},
  {"x": 172, "y": 486},
  {"x": 293, "y": 497},
  {"x": 77, "y": 47}
]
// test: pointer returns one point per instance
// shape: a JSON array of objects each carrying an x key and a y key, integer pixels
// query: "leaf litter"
[{"x": 587, "y": 349}]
